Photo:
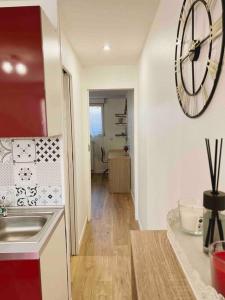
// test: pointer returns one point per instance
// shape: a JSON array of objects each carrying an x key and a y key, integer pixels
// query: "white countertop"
[
  {"x": 194, "y": 262},
  {"x": 31, "y": 248}
]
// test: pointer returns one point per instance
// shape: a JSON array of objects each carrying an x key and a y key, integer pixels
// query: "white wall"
[
  {"x": 108, "y": 77},
  {"x": 172, "y": 156}
]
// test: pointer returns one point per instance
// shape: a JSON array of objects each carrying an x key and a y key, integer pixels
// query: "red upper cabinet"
[{"x": 30, "y": 74}]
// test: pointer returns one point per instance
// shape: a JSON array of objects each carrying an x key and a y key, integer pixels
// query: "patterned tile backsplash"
[{"x": 30, "y": 171}]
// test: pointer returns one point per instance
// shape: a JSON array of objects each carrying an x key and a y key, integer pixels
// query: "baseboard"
[
  {"x": 82, "y": 234},
  {"x": 132, "y": 196},
  {"x": 140, "y": 225}
]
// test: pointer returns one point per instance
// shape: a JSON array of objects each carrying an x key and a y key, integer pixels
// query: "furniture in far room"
[
  {"x": 119, "y": 164},
  {"x": 103, "y": 160}
]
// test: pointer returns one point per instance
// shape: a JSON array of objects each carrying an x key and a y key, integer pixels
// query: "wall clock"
[{"x": 199, "y": 53}]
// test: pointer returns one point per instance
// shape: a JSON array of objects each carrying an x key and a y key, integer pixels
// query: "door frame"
[
  {"x": 73, "y": 244},
  {"x": 87, "y": 97},
  {"x": 135, "y": 141}
]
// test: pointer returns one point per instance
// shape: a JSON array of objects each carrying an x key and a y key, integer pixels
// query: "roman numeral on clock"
[
  {"x": 194, "y": 106},
  {"x": 205, "y": 95},
  {"x": 216, "y": 29},
  {"x": 212, "y": 67},
  {"x": 183, "y": 16},
  {"x": 186, "y": 103},
  {"x": 180, "y": 91},
  {"x": 210, "y": 3},
  {"x": 191, "y": 2},
  {"x": 177, "y": 67}
]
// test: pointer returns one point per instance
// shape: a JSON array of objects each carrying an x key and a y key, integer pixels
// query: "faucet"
[{"x": 3, "y": 208}]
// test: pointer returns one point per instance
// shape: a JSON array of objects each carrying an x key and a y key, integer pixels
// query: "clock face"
[{"x": 199, "y": 53}]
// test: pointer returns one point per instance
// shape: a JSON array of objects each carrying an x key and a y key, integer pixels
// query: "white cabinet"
[{"x": 53, "y": 264}]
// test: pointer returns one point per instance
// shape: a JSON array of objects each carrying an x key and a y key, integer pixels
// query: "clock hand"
[
  {"x": 193, "y": 23},
  {"x": 216, "y": 31},
  {"x": 183, "y": 58},
  {"x": 194, "y": 46},
  {"x": 193, "y": 75},
  {"x": 199, "y": 43}
]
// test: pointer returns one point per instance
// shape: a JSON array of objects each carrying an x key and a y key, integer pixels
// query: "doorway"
[
  {"x": 111, "y": 115},
  {"x": 70, "y": 160}
]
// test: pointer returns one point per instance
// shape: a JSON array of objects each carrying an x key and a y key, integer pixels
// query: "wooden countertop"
[
  {"x": 118, "y": 154},
  {"x": 156, "y": 272}
]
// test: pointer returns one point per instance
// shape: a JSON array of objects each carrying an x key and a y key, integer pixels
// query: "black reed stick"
[
  {"x": 215, "y": 166},
  {"x": 209, "y": 159},
  {"x": 220, "y": 227},
  {"x": 208, "y": 233},
  {"x": 214, "y": 174},
  {"x": 213, "y": 220},
  {"x": 218, "y": 173}
]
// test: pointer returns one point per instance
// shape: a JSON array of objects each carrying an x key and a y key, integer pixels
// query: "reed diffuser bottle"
[{"x": 213, "y": 201}]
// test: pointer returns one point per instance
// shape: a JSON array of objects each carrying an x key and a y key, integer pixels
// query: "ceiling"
[{"x": 124, "y": 24}]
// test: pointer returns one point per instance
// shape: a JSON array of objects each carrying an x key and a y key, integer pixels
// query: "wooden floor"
[{"x": 103, "y": 268}]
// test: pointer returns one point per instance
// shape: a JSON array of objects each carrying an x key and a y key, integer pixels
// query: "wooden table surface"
[
  {"x": 156, "y": 272},
  {"x": 119, "y": 165},
  {"x": 118, "y": 153}
]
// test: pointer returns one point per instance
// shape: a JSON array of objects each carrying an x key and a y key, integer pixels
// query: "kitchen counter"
[
  {"x": 33, "y": 254},
  {"x": 31, "y": 248}
]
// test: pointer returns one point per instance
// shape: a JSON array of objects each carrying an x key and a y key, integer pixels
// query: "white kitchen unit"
[
  {"x": 53, "y": 265},
  {"x": 33, "y": 254}
]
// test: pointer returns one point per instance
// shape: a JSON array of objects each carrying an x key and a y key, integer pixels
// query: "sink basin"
[
  {"x": 20, "y": 228},
  {"x": 26, "y": 230}
]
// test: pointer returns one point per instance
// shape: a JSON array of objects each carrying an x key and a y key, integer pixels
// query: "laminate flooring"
[{"x": 102, "y": 270}]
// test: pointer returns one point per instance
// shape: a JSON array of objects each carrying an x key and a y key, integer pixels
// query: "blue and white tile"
[
  {"x": 5, "y": 150},
  {"x": 49, "y": 174},
  {"x": 23, "y": 151},
  {"x": 7, "y": 195},
  {"x": 26, "y": 195},
  {"x": 6, "y": 174},
  {"x": 49, "y": 195},
  {"x": 25, "y": 174},
  {"x": 48, "y": 150}
]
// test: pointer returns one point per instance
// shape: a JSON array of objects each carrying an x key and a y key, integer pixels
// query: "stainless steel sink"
[
  {"x": 25, "y": 231},
  {"x": 16, "y": 228}
]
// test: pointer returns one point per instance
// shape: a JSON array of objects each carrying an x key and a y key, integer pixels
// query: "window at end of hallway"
[{"x": 96, "y": 120}]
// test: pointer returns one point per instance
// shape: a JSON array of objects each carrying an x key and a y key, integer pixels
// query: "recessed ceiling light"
[
  {"x": 7, "y": 67},
  {"x": 107, "y": 47},
  {"x": 21, "y": 69}
]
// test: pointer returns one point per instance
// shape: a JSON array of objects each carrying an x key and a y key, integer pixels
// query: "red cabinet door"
[
  {"x": 20, "y": 280},
  {"x": 22, "y": 85}
]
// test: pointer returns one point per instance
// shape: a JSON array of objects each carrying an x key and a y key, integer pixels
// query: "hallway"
[{"x": 102, "y": 270}]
